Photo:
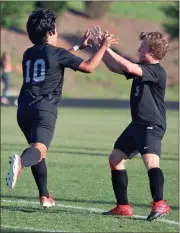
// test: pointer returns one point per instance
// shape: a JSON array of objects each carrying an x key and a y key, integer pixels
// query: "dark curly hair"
[{"x": 40, "y": 22}]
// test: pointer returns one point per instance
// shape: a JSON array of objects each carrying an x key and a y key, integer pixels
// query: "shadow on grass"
[
  {"x": 26, "y": 198},
  {"x": 89, "y": 151},
  {"x": 53, "y": 210}
]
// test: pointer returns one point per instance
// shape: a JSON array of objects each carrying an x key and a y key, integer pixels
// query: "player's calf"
[
  {"x": 119, "y": 177},
  {"x": 156, "y": 182}
]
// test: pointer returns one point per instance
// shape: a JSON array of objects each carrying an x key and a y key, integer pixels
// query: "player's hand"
[
  {"x": 108, "y": 40},
  {"x": 97, "y": 36},
  {"x": 100, "y": 39},
  {"x": 84, "y": 44}
]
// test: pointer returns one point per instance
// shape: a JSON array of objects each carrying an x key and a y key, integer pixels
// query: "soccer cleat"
[
  {"x": 15, "y": 170},
  {"x": 159, "y": 209},
  {"x": 122, "y": 210},
  {"x": 47, "y": 201}
]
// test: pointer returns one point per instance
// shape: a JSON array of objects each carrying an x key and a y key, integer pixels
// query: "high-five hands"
[
  {"x": 84, "y": 44},
  {"x": 103, "y": 39},
  {"x": 99, "y": 38}
]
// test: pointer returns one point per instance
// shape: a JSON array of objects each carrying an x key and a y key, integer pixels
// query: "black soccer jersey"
[
  {"x": 43, "y": 73},
  {"x": 147, "y": 95}
]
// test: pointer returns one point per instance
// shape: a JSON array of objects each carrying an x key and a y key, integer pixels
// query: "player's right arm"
[
  {"x": 110, "y": 62},
  {"x": 90, "y": 65},
  {"x": 67, "y": 59}
]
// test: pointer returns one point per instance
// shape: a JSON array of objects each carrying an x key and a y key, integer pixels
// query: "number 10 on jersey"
[{"x": 39, "y": 65}]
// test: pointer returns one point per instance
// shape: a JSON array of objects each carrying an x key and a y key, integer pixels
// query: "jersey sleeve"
[
  {"x": 149, "y": 74},
  {"x": 67, "y": 59},
  {"x": 128, "y": 75}
]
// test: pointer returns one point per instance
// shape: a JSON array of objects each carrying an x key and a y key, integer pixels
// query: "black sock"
[
  {"x": 156, "y": 180},
  {"x": 120, "y": 183},
  {"x": 39, "y": 172},
  {"x": 30, "y": 157}
]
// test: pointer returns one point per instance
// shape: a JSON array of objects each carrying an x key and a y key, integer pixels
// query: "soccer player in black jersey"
[
  {"x": 43, "y": 76},
  {"x": 148, "y": 125}
]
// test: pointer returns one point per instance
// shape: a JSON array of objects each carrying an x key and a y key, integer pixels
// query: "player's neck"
[{"x": 153, "y": 61}]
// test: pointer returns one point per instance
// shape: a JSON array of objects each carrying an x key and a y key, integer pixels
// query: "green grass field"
[
  {"x": 79, "y": 176},
  {"x": 100, "y": 84},
  {"x": 132, "y": 9}
]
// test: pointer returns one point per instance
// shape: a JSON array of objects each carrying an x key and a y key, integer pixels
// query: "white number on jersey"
[
  {"x": 36, "y": 78},
  {"x": 137, "y": 91}
]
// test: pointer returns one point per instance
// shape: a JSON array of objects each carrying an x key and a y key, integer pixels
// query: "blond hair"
[{"x": 158, "y": 43}]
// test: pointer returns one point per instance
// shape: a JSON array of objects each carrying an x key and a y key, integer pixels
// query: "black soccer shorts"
[
  {"x": 140, "y": 138},
  {"x": 37, "y": 125}
]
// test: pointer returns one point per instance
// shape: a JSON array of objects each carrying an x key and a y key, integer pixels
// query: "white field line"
[
  {"x": 87, "y": 209},
  {"x": 29, "y": 228}
]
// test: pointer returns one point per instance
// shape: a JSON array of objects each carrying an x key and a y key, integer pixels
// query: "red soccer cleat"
[
  {"x": 47, "y": 201},
  {"x": 122, "y": 210},
  {"x": 159, "y": 209},
  {"x": 15, "y": 170}
]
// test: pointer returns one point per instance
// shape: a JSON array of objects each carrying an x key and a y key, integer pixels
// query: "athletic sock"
[
  {"x": 120, "y": 183},
  {"x": 39, "y": 172},
  {"x": 156, "y": 181},
  {"x": 30, "y": 157}
]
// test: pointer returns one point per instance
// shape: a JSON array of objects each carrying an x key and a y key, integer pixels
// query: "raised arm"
[
  {"x": 83, "y": 44},
  {"x": 124, "y": 64},
  {"x": 90, "y": 65},
  {"x": 111, "y": 63},
  {"x": 69, "y": 60},
  {"x": 108, "y": 60},
  {"x": 114, "y": 61}
]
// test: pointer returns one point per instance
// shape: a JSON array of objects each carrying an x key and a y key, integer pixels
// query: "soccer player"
[
  {"x": 43, "y": 76},
  {"x": 6, "y": 70},
  {"x": 148, "y": 126}
]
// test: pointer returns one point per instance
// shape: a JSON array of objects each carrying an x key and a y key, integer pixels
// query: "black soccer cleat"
[{"x": 159, "y": 209}]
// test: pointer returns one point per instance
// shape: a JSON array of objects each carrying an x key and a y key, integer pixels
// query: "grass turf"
[
  {"x": 104, "y": 84},
  {"x": 79, "y": 176},
  {"x": 132, "y": 10}
]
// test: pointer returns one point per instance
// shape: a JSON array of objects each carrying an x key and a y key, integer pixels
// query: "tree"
[
  {"x": 56, "y": 7},
  {"x": 96, "y": 9},
  {"x": 13, "y": 13},
  {"x": 172, "y": 13}
]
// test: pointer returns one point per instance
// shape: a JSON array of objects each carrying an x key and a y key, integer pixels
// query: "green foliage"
[
  {"x": 13, "y": 13},
  {"x": 139, "y": 10},
  {"x": 129, "y": 9},
  {"x": 172, "y": 14},
  {"x": 55, "y": 6},
  {"x": 97, "y": 9}
]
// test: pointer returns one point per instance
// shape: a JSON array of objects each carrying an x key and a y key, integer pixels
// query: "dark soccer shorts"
[
  {"x": 140, "y": 138},
  {"x": 37, "y": 125}
]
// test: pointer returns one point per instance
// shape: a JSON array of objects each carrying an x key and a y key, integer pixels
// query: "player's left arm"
[
  {"x": 125, "y": 65},
  {"x": 83, "y": 45},
  {"x": 121, "y": 63}
]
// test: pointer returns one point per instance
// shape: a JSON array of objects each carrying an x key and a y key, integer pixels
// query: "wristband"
[{"x": 76, "y": 48}]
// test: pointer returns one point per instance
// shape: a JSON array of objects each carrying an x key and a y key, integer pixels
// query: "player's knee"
[
  {"x": 151, "y": 161},
  {"x": 117, "y": 160},
  {"x": 42, "y": 148}
]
